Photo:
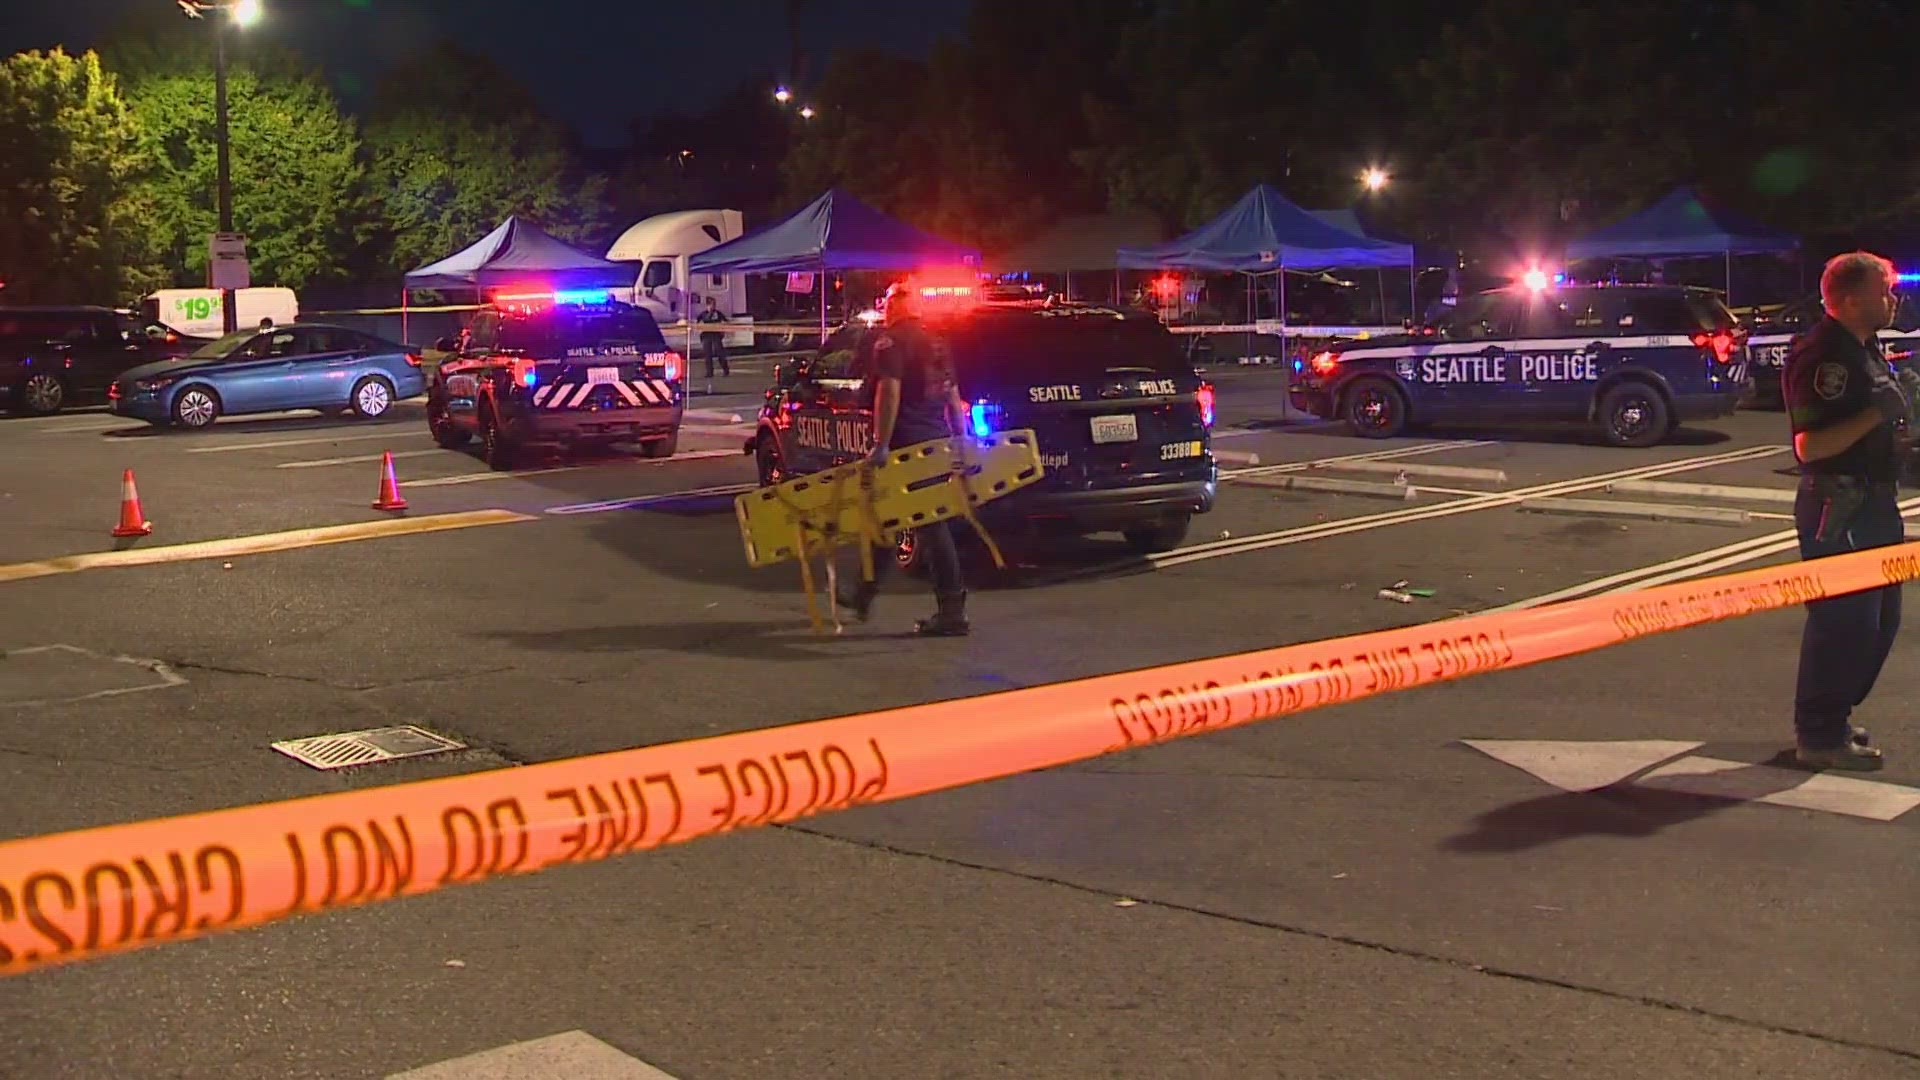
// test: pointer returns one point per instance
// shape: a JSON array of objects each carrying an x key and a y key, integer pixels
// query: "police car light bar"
[
  {"x": 1911, "y": 277},
  {"x": 560, "y": 296}
]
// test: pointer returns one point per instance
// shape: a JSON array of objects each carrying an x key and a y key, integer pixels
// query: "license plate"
[
  {"x": 602, "y": 376},
  {"x": 1115, "y": 429}
]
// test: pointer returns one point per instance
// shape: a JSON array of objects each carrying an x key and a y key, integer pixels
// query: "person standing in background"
[{"x": 714, "y": 342}]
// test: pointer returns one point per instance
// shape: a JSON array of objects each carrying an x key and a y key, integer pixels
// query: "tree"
[
  {"x": 456, "y": 144},
  {"x": 445, "y": 181},
  {"x": 299, "y": 186},
  {"x": 918, "y": 140},
  {"x": 69, "y": 208}
]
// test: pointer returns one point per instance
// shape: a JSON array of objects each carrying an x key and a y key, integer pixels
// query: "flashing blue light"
[
  {"x": 1560, "y": 279},
  {"x": 985, "y": 415},
  {"x": 1911, "y": 277},
  {"x": 583, "y": 296}
]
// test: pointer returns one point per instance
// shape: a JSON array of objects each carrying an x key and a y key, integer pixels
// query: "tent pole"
[
  {"x": 1286, "y": 358},
  {"x": 824, "y": 285},
  {"x": 404, "y": 293},
  {"x": 1413, "y": 290},
  {"x": 1729, "y": 276}
]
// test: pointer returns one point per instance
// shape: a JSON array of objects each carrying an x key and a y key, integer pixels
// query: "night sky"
[{"x": 594, "y": 64}]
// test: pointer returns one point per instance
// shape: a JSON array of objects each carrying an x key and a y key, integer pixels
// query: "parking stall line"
[
  {"x": 1371, "y": 455},
  {"x": 259, "y": 544},
  {"x": 1686, "y": 566},
  {"x": 1483, "y": 501},
  {"x": 521, "y": 474},
  {"x": 360, "y": 459},
  {"x": 318, "y": 440}
]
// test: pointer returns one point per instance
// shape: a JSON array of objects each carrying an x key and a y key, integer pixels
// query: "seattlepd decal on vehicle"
[
  {"x": 1042, "y": 395},
  {"x": 1555, "y": 367}
]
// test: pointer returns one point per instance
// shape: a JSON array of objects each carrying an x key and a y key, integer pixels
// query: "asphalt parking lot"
[{"x": 1416, "y": 885}]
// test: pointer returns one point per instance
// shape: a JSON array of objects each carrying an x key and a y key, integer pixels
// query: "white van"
[
  {"x": 196, "y": 312},
  {"x": 661, "y": 246}
]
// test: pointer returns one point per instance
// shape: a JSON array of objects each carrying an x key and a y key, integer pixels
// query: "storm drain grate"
[{"x": 365, "y": 747}]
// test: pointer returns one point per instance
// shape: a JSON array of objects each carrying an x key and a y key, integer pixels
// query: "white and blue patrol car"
[
  {"x": 1635, "y": 360},
  {"x": 1773, "y": 335}
]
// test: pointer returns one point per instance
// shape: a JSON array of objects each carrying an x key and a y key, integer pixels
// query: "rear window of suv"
[
  {"x": 1043, "y": 349},
  {"x": 556, "y": 335}
]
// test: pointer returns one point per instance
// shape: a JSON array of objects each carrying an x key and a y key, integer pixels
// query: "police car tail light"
[
  {"x": 1324, "y": 363},
  {"x": 1205, "y": 394},
  {"x": 985, "y": 418},
  {"x": 524, "y": 373},
  {"x": 1722, "y": 344},
  {"x": 672, "y": 363},
  {"x": 413, "y": 359}
]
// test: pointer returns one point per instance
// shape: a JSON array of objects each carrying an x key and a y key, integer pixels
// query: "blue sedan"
[{"x": 306, "y": 366}]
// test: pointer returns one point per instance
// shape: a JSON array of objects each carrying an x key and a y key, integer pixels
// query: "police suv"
[
  {"x": 1124, "y": 422},
  {"x": 1633, "y": 359},
  {"x": 1773, "y": 334},
  {"x": 567, "y": 370}
]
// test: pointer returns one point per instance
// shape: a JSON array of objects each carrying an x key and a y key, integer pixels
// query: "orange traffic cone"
[
  {"x": 389, "y": 487},
  {"x": 132, "y": 521}
]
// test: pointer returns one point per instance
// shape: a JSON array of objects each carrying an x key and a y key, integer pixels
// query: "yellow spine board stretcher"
[{"x": 871, "y": 507}]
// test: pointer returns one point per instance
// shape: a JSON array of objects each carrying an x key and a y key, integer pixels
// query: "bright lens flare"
[
  {"x": 1374, "y": 179},
  {"x": 1535, "y": 280},
  {"x": 245, "y": 12}
]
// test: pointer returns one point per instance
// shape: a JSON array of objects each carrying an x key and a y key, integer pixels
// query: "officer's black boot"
[
  {"x": 859, "y": 602},
  {"x": 949, "y": 621}
]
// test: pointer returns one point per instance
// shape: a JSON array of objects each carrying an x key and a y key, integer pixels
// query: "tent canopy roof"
[
  {"x": 519, "y": 251},
  {"x": 1680, "y": 225},
  {"x": 1264, "y": 232},
  {"x": 834, "y": 232}
]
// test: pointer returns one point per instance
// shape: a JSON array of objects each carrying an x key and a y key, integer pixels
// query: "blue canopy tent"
[
  {"x": 515, "y": 252},
  {"x": 1264, "y": 233},
  {"x": 835, "y": 232},
  {"x": 1679, "y": 226}
]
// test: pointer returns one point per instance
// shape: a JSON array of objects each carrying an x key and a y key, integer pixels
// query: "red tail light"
[
  {"x": 113, "y": 392},
  {"x": 1205, "y": 395},
  {"x": 1324, "y": 363},
  {"x": 673, "y": 362},
  {"x": 414, "y": 359},
  {"x": 1722, "y": 343}
]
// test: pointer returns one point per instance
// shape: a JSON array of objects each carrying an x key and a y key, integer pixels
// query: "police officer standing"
[
  {"x": 915, "y": 398},
  {"x": 714, "y": 342},
  {"x": 1846, "y": 409}
]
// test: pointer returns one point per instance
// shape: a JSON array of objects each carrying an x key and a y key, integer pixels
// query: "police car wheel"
[
  {"x": 767, "y": 460},
  {"x": 1634, "y": 414},
  {"x": 661, "y": 448},
  {"x": 1375, "y": 409},
  {"x": 445, "y": 434},
  {"x": 495, "y": 449}
]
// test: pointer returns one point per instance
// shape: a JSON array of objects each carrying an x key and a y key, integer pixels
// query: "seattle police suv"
[
  {"x": 1773, "y": 335},
  {"x": 567, "y": 369},
  {"x": 1124, "y": 422},
  {"x": 1633, "y": 359}
]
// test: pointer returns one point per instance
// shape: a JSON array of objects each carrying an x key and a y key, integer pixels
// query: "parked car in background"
[
  {"x": 308, "y": 366},
  {"x": 52, "y": 358}
]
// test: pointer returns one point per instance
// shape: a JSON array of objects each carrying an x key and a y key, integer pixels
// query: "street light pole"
[{"x": 223, "y": 191}]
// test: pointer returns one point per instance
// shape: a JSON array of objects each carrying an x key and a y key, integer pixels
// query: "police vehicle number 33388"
[{"x": 1634, "y": 361}]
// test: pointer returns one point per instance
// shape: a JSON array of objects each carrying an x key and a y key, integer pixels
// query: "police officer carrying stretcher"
[
  {"x": 915, "y": 398},
  {"x": 1847, "y": 410}
]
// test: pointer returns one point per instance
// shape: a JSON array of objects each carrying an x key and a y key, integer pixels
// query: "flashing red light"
[
  {"x": 524, "y": 372},
  {"x": 671, "y": 361},
  {"x": 1536, "y": 280},
  {"x": 1324, "y": 363},
  {"x": 1721, "y": 343},
  {"x": 1205, "y": 396},
  {"x": 1166, "y": 286}
]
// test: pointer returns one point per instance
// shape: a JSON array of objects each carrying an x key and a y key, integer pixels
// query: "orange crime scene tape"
[{"x": 119, "y": 887}]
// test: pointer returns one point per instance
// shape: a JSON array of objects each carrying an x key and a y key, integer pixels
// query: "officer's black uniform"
[
  {"x": 714, "y": 343},
  {"x": 1846, "y": 502},
  {"x": 907, "y": 352}
]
